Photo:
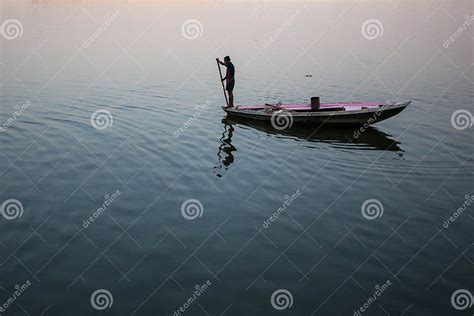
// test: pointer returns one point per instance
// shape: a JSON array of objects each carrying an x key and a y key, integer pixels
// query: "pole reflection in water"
[{"x": 225, "y": 149}]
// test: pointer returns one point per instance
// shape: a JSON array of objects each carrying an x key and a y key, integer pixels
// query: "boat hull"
[{"x": 363, "y": 116}]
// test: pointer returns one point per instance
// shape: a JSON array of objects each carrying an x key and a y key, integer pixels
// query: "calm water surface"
[{"x": 167, "y": 142}]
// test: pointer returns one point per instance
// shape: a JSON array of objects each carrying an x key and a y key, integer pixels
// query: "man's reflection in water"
[{"x": 225, "y": 149}]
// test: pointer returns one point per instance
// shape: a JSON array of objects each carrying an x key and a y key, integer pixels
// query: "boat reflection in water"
[{"x": 336, "y": 136}]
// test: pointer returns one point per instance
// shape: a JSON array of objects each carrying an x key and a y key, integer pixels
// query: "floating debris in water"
[{"x": 309, "y": 76}]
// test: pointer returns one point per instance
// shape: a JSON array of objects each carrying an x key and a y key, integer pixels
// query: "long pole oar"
[{"x": 222, "y": 82}]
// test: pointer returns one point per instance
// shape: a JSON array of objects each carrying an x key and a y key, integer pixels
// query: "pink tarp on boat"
[{"x": 306, "y": 106}]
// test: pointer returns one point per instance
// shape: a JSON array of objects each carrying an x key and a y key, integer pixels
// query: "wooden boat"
[{"x": 285, "y": 115}]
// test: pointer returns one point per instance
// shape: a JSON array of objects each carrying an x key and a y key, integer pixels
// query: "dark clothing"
[
  {"x": 229, "y": 86},
  {"x": 229, "y": 77}
]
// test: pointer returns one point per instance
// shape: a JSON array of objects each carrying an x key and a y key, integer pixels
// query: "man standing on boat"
[{"x": 229, "y": 78}]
